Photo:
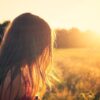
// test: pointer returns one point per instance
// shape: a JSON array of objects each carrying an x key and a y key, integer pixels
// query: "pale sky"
[{"x": 84, "y": 14}]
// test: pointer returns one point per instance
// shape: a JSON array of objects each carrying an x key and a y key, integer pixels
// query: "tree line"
[{"x": 72, "y": 38}]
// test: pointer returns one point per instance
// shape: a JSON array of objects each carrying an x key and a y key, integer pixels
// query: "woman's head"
[
  {"x": 27, "y": 37},
  {"x": 27, "y": 42}
]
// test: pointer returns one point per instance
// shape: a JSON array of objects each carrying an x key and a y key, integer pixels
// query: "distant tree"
[
  {"x": 61, "y": 40},
  {"x": 67, "y": 38},
  {"x": 75, "y": 38}
]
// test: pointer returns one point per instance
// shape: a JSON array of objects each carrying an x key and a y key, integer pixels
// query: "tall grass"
[{"x": 80, "y": 78}]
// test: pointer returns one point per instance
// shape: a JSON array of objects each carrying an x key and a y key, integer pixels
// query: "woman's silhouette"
[{"x": 25, "y": 54}]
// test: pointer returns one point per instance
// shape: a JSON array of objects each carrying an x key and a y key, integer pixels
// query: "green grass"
[{"x": 79, "y": 75}]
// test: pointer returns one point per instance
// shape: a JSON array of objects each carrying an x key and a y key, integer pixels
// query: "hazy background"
[{"x": 83, "y": 14}]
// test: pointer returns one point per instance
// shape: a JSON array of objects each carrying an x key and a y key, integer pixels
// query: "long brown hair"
[{"x": 26, "y": 51}]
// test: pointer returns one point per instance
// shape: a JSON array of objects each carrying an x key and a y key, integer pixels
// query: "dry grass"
[{"x": 80, "y": 78}]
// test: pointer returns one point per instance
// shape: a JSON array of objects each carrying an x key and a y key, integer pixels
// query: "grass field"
[{"x": 79, "y": 72}]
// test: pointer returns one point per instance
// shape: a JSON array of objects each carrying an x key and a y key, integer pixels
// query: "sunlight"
[
  {"x": 85, "y": 14},
  {"x": 97, "y": 34}
]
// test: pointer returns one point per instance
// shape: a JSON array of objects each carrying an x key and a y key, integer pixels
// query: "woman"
[{"x": 25, "y": 56}]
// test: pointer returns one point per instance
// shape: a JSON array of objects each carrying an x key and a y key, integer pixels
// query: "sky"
[{"x": 83, "y": 14}]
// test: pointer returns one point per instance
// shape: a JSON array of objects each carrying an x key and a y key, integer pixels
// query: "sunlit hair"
[{"x": 25, "y": 54}]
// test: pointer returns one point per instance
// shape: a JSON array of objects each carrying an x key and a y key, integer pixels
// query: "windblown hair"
[{"x": 25, "y": 54}]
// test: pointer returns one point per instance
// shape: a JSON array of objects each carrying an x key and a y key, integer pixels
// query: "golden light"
[{"x": 83, "y": 14}]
